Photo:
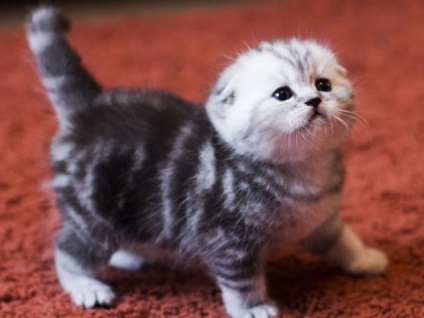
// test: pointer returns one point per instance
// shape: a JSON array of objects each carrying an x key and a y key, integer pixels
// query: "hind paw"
[
  {"x": 369, "y": 263},
  {"x": 126, "y": 261}
]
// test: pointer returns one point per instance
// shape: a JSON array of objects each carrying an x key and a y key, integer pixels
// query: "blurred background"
[
  {"x": 182, "y": 46},
  {"x": 12, "y": 12}
]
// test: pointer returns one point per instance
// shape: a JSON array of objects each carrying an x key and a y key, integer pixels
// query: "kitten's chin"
[
  {"x": 314, "y": 123},
  {"x": 314, "y": 138}
]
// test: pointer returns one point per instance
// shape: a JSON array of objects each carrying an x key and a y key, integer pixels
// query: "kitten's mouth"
[{"x": 316, "y": 116}]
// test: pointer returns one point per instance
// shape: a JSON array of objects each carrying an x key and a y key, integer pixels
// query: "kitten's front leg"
[
  {"x": 339, "y": 244},
  {"x": 77, "y": 259},
  {"x": 242, "y": 283}
]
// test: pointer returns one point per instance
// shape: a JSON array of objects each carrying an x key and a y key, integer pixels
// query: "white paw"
[
  {"x": 370, "y": 262},
  {"x": 126, "y": 260},
  {"x": 260, "y": 311},
  {"x": 88, "y": 292},
  {"x": 85, "y": 290}
]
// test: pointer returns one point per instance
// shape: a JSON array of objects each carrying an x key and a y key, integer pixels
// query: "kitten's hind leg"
[
  {"x": 126, "y": 260},
  {"x": 354, "y": 257},
  {"x": 340, "y": 245},
  {"x": 76, "y": 263}
]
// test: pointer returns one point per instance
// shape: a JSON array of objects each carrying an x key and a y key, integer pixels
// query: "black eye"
[
  {"x": 282, "y": 93},
  {"x": 323, "y": 84}
]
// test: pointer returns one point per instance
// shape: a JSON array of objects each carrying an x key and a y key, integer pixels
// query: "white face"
[{"x": 283, "y": 101}]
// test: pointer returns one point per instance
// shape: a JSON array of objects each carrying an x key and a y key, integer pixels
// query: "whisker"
[
  {"x": 361, "y": 121},
  {"x": 341, "y": 121},
  {"x": 349, "y": 116},
  {"x": 248, "y": 47},
  {"x": 305, "y": 132},
  {"x": 314, "y": 137},
  {"x": 332, "y": 129},
  {"x": 357, "y": 116},
  {"x": 295, "y": 140},
  {"x": 303, "y": 136}
]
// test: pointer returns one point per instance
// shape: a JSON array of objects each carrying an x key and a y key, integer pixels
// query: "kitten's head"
[{"x": 283, "y": 101}]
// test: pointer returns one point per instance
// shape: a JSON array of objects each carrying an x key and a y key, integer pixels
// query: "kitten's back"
[{"x": 127, "y": 115}]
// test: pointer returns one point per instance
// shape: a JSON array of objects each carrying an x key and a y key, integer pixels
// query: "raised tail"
[{"x": 69, "y": 85}]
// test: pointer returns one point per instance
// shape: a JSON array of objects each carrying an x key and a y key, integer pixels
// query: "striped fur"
[{"x": 139, "y": 171}]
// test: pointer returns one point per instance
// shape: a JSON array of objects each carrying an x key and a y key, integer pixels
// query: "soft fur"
[{"x": 139, "y": 173}]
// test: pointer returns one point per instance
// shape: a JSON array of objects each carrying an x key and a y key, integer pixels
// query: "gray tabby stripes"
[{"x": 144, "y": 170}]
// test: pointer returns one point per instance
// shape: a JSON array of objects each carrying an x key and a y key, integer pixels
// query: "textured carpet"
[{"x": 381, "y": 44}]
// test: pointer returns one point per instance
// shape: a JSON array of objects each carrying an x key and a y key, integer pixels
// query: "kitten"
[{"x": 141, "y": 171}]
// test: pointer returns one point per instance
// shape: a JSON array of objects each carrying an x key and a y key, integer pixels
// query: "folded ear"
[
  {"x": 225, "y": 90},
  {"x": 227, "y": 94},
  {"x": 341, "y": 70},
  {"x": 223, "y": 95}
]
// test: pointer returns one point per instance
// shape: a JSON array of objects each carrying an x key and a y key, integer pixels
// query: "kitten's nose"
[{"x": 314, "y": 102}]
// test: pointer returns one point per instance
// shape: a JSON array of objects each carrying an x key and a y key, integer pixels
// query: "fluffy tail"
[{"x": 69, "y": 85}]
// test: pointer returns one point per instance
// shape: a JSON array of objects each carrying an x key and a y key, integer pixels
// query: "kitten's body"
[{"x": 144, "y": 171}]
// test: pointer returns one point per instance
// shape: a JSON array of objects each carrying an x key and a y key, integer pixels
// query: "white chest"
[{"x": 301, "y": 218}]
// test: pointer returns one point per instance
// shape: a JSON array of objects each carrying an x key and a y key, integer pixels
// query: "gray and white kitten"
[{"x": 138, "y": 172}]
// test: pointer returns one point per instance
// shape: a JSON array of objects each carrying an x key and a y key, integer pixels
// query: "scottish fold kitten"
[{"x": 139, "y": 171}]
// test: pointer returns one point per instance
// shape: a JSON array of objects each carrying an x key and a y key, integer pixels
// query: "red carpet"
[{"x": 382, "y": 45}]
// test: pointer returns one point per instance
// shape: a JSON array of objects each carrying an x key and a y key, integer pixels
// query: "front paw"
[
  {"x": 265, "y": 310},
  {"x": 261, "y": 311},
  {"x": 88, "y": 293},
  {"x": 369, "y": 262}
]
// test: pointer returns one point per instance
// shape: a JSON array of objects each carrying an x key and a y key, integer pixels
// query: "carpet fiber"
[{"x": 380, "y": 43}]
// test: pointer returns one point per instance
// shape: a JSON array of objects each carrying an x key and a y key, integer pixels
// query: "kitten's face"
[{"x": 283, "y": 101}]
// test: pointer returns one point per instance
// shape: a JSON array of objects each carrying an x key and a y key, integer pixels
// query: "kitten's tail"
[{"x": 69, "y": 85}]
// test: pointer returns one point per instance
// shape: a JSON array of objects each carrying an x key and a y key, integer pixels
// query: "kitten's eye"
[
  {"x": 282, "y": 93},
  {"x": 323, "y": 84}
]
